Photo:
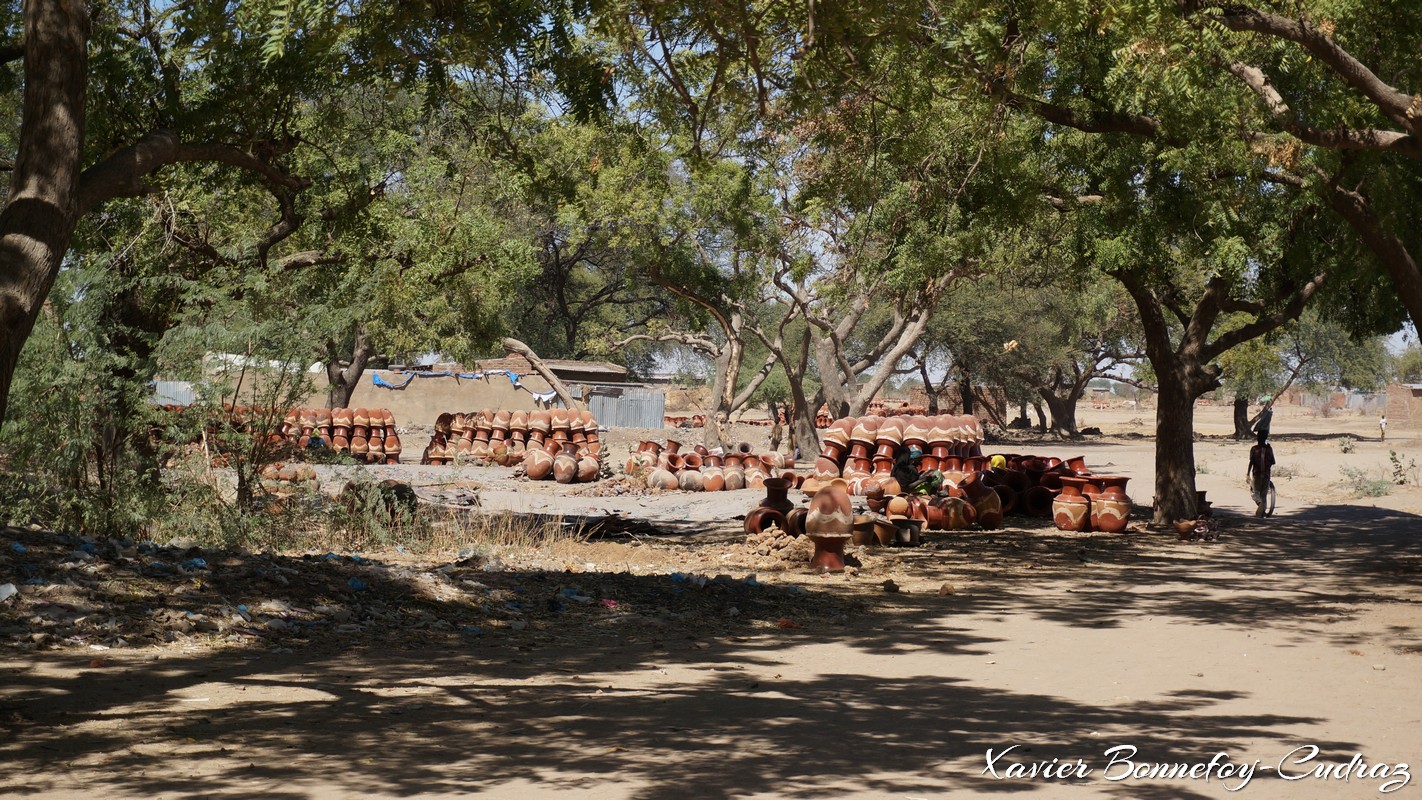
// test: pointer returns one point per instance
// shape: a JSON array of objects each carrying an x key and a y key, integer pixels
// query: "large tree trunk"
[
  {"x": 802, "y": 421},
  {"x": 39, "y": 215},
  {"x": 1063, "y": 414},
  {"x": 344, "y": 380},
  {"x": 965, "y": 392},
  {"x": 1241, "y": 418},
  {"x": 1174, "y": 452}
]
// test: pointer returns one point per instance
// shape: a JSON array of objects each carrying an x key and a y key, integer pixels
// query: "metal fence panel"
[
  {"x": 627, "y": 406},
  {"x": 173, "y": 393}
]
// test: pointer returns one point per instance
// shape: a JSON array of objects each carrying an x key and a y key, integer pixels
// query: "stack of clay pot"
[
  {"x": 368, "y": 434},
  {"x": 563, "y": 446},
  {"x": 666, "y": 467},
  {"x": 862, "y": 450},
  {"x": 506, "y": 438}
]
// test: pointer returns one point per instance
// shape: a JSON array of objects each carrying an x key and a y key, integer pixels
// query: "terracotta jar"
[
  {"x": 1037, "y": 502},
  {"x": 1008, "y": 496},
  {"x": 735, "y": 478},
  {"x": 662, "y": 479},
  {"x": 588, "y": 467},
  {"x": 1111, "y": 509},
  {"x": 861, "y": 440},
  {"x": 826, "y": 468},
  {"x": 712, "y": 479},
  {"x": 795, "y": 521},
  {"x": 565, "y": 464},
  {"x": 888, "y": 438},
  {"x": 761, "y": 518},
  {"x": 537, "y": 464},
  {"x": 1071, "y": 510},
  {"x": 829, "y": 511},
  {"x": 777, "y": 495},
  {"x": 916, "y": 432},
  {"x": 672, "y": 446},
  {"x": 690, "y": 480},
  {"x": 988, "y": 510},
  {"x": 691, "y": 461},
  {"x": 883, "y": 465}
]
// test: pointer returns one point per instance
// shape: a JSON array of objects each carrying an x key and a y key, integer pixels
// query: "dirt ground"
[{"x": 669, "y": 659}]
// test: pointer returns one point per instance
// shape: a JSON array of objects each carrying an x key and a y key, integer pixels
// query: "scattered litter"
[{"x": 7, "y": 591}]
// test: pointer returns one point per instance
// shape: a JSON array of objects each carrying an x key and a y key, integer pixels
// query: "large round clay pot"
[
  {"x": 690, "y": 480},
  {"x": 537, "y": 464},
  {"x": 955, "y": 513},
  {"x": 826, "y": 468},
  {"x": 1071, "y": 510},
  {"x": 588, "y": 467},
  {"x": 829, "y": 512},
  {"x": 898, "y": 506},
  {"x": 712, "y": 479},
  {"x": 776, "y": 495},
  {"x": 735, "y": 478},
  {"x": 761, "y": 518},
  {"x": 662, "y": 479}
]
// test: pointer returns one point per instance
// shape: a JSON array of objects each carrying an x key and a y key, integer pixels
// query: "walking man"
[
  {"x": 1261, "y": 464},
  {"x": 1382, "y": 428}
]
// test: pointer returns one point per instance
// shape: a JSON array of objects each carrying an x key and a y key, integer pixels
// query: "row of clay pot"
[
  {"x": 502, "y": 437},
  {"x": 665, "y": 467},
  {"x": 564, "y": 462},
  {"x": 861, "y": 447},
  {"x": 368, "y": 434}
]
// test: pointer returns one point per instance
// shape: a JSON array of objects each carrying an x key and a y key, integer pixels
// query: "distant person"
[
  {"x": 1382, "y": 428},
  {"x": 1261, "y": 428},
  {"x": 1261, "y": 465}
]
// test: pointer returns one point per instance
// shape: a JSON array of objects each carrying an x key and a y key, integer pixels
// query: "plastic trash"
[
  {"x": 472, "y": 630},
  {"x": 195, "y": 563},
  {"x": 35, "y": 581},
  {"x": 356, "y": 585},
  {"x": 89, "y": 548},
  {"x": 7, "y": 591},
  {"x": 18, "y": 548}
]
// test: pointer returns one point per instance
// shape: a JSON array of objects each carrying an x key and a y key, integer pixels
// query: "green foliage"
[{"x": 1362, "y": 484}]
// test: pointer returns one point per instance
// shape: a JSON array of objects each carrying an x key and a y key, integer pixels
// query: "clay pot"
[
  {"x": 588, "y": 467},
  {"x": 672, "y": 446},
  {"x": 712, "y": 479},
  {"x": 361, "y": 416},
  {"x": 826, "y": 468},
  {"x": 776, "y": 495},
  {"x": 898, "y": 506},
  {"x": 863, "y": 533},
  {"x": 795, "y": 521},
  {"x": 662, "y": 479},
  {"x": 957, "y": 513},
  {"x": 565, "y": 464},
  {"x": 1071, "y": 510},
  {"x": 761, "y": 518},
  {"x": 649, "y": 447},
  {"x": 829, "y": 512},
  {"x": 537, "y": 464},
  {"x": 884, "y": 466},
  {"x": 988, "y": 509},
  {"x": 1007, "y": 496},
  {"x": 1037, "y": 502},
  {"x": 908, "y": 532},
  {"x": 540, "y": 422},
  {"x": 829, "y": 551},
  {"x": 671, "y": 461},
  {"x": 690, "y": 480},
  {"x": 884, "y": 531},
  {"x": 744, "y": 448},
  {"x": 735, "y": 478},
  {"x": 691, "y": 461}
]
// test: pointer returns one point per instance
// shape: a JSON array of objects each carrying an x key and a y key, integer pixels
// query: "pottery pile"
[
  {"x": 861, "y": 450},
  {"x": 666, "y": 467},
  {"x": 368, "y": 434},
  {"x": 507, "y": 438}
]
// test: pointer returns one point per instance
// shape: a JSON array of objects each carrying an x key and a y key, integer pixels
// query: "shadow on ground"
[{"x": 658, "y": 706}]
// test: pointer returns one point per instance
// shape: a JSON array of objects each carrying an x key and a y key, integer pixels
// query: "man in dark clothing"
[{"x": 1261, "y": 464}]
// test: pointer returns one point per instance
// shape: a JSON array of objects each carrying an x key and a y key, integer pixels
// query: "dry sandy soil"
[{"x": 1294, "y": 632}]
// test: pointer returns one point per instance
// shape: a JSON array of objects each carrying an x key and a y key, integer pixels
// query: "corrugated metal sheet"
[
  {"x": 627, "y": 406},
  {"x": 173, "y": 393}
]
